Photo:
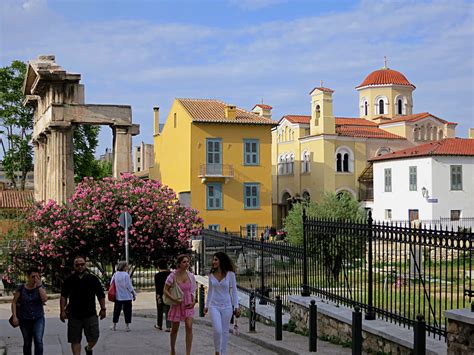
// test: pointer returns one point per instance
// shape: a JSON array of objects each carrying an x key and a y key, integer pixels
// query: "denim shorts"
[{"x": 76, "y": 325}]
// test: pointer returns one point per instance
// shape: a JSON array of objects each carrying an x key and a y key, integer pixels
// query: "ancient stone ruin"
[{"x": 58, "y": 101}]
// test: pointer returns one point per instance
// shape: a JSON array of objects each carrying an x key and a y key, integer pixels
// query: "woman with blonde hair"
[{"x": 181, "y": 310}]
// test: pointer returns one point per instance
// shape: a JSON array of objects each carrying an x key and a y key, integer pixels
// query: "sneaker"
[
  {"x": 88, "y": 352},
  {"x": 168, "y": 330},
  {"x": 158, "y": 327},
  {"x": 127, "y": 328}
]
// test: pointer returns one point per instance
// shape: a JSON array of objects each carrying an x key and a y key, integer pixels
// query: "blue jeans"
[{"x": 32, "y": 329}]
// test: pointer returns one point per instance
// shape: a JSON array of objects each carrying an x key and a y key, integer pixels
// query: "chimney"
[
  {"x": 156, "y": 120},
  {"x": 230, "y": 112},
  {"x": 471, "y": 133}
]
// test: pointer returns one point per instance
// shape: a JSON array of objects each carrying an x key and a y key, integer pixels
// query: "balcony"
[
  {"x": 216, "y": 172},
  {"x": 286, "y": 168}
]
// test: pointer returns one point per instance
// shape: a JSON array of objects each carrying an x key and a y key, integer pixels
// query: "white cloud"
[
  {"x": 146, "y": 64},
  {"x": 252, "y": 5}
]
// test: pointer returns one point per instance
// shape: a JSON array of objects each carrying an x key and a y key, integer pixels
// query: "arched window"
[
  {"x": 339, "y": 162},
  {"x": 366, "y": 108},
  {"x": 416, "y": 134},
  {"x": 344, "y": 160},
  {"x": 382, "y": 151},
  {"x": 305, "y": 162},
  {"x": 345, "y": 163},
  {"x": 281, "y": 165},
  {"x": 381, "y": 107},
  {"x": 317, "y": 114},
  {"x": 422, "y": 133},
  {"x": 400, "y": 107}
]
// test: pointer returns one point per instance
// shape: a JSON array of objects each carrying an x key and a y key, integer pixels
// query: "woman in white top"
[
  {"x": 125, "y": 293},
  {"x": 222, "y": 300}
]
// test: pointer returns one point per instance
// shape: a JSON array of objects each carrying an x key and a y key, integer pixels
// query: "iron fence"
[{"x": 392, "y": 271}]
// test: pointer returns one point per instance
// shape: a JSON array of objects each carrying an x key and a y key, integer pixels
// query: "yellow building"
[
  {"x": 317, "y": 153},
  {"x": 217, "y": 158}
]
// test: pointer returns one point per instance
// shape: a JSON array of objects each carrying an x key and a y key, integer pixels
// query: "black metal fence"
[{"x": 392, "y": 271}]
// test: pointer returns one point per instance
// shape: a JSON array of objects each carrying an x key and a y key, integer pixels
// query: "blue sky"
[{"x": 146, "y": 53}]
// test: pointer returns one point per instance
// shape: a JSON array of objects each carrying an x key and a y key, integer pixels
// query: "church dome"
[{"x": 385, "y": 76}]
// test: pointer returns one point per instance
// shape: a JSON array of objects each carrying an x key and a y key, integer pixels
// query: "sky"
[{"x": 145, "y": 53}]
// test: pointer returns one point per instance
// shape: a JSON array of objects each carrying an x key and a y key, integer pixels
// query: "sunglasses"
[{"x": 80, "y": 264}]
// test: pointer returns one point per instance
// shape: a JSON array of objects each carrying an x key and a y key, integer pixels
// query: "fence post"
[
  {"x": 278, "y": 319},
  {"x": 356, "y": 332},
  {"x": 253, "y": 313},
  {"x": 313, "y": 326},
  {"x": 262, "y": 274},
  {"x": 370, "y": 314},
  {"x": 419, "y": 336},
  {"x": 202, "y": 261},
  {"x": 305, "y": 291},
  {"x": 201, "y": 301}
]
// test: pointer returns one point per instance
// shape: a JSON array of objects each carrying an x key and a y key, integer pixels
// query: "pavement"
[{"x": 145, "y": 339}]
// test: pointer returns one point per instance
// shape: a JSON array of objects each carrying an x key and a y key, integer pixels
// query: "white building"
[
  {"x": 426, "y": 182},
  {"x": 143, "y": 157}
]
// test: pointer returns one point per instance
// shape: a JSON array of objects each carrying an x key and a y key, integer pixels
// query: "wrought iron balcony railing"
[{"x": 216, "y": 170}]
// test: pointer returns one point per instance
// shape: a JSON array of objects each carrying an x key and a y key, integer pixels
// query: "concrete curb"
[{"x": 8, "y": 299}]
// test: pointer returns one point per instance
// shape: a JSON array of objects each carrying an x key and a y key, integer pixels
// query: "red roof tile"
[
  {"x": 413, "y": 118},
  {"x": 385, "y": 76},
  {"x": 265, "y": 107},
  {"x": 354, "y": 121},
  {"x": 13, "y": 199},
  {"x": 213, "y": 111},
  {"x": 448, "y": 146},
  {"x": 364, "y": 132},
  {"x": 296, "y": 119}
]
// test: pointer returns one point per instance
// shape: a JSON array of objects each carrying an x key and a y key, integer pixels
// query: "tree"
[
  {"x": 328, "y": 249},
  {"x": 338, "y": 207},
  {"x": 89, "y": 225},
  {"x": 17, "y": 123},
  {"x": 85, "y": 143}
]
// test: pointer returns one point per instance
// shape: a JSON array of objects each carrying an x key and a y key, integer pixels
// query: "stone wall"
[
  {"x": 460, "y": 332},
  {"x": 340, "y": 331}
]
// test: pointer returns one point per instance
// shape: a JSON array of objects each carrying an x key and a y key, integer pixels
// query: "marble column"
[
  {"x": 60, "y": 174},
  {"x": 122, "y": 151}
]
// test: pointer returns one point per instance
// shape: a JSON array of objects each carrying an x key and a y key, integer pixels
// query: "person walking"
[
  {"x": 30, "y": 297},
  {"x": 181, "y": 310},
  {"x": 161, "y": 307},
  {"x": 77, "y": 305},
  {"x": 222, "y": 299},
  {"x": 125, "y": 293}
]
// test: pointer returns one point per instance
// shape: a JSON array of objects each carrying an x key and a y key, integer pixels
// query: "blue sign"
[{"x": 433, "y": 200}]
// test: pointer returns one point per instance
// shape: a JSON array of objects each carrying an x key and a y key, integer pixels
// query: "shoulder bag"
[{"x": 175, "y": 292}]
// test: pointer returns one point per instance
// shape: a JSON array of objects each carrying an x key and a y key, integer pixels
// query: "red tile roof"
[
  {"x": 385, "y": 76},
  {"x": 265, "y": 107},
  {"x": 413, "y": 118},
  {"x": 349, "y": 127},
  {"x": 213, "y": 111},
  {"x": 296, "y": 119},
  {"x": 448, "y": 146},
  {"x": 364, "y": 132},
  {"x": 13, "y": 199},
  {"x": 322, "y": 89}
]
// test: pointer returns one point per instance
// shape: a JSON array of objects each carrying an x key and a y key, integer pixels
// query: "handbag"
[
  {"x": 112, "y": 292},
  {"x": 18, "y": 305},
  {"x": 175, "y": 292}
]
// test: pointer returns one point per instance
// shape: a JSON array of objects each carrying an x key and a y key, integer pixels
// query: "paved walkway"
[{"x": 146, "y": 340}]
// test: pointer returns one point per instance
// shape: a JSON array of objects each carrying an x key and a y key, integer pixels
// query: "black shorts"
[{"x": 76, "y": 325}]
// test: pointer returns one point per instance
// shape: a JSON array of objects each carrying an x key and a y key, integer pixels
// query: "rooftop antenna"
[
  {"x": 321, "y": 83},
  {"x": 385, "y": 62}
]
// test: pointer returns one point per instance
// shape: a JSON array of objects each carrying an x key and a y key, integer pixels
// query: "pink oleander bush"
[{"x": 89, "y": 225}]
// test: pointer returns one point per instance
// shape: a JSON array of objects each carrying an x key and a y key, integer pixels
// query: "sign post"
[{"x": 125, "y": 222}]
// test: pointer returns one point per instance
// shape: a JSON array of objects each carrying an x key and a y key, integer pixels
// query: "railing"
[
  {"x": 392, "y": 271},
  {"x": 216, "y": 170},
  {"x": 269, "y": 268},
  {"x": 443, "y": 222}
]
